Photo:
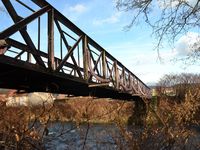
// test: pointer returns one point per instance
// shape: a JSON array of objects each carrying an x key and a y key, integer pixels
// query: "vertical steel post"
[
  {"x": 78, "y": 56},
  {"x": 61, "y": 53},
  {"x": 123, "y": 76},
  {"x": 104, "y": 63},
  {"x": 129, "y": 80},
  {"x": 51, "y": 40},
  {"x": 116, "y": 75},
  {"x": 39, "y": 33},
  {"x": 85, "y": 58},
  {"x": 29, "y": 57}
]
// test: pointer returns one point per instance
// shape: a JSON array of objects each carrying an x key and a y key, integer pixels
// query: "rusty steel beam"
[
  {"x": 25, "y": 5},
  {"x": 23, "y": 32},
  {"x": 99, "y": 85},
  {"x": 85, "y": 58},
  {"x": 61, "y": 18},
  {"x": 95, "y": 65},
  {"x": 68, "y": 55},
  {"x": 22, "y": 23},
  {"x": 116, "y": 75},
  {"x": 51, "y": 62},
  {"x": 67, "y": 45},
  {"x": 39, "y": 33},
  {"x": 98, "y": 78},
  {"x": 93, "y": 60},
  {"x": 25, "y": 48},
  {"x": 61, "y": 33},
  {"x": 19, "y": 54},
  {"x": 123, "y": 76},
  {"x": 104, "y": 63}
]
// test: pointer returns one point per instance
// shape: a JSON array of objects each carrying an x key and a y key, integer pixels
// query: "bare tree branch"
[{"x": 174, "y": 17}]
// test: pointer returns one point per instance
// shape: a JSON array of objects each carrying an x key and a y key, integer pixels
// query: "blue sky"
[{"x": 134, "y": 48}]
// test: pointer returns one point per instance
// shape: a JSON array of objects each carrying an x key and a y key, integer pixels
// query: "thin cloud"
[
  {"x": 110, "y": 20},
  {"x": 75, "y": 11},
  {"x": 78, "y": 8},
  {"x": 187, "y": 44}
]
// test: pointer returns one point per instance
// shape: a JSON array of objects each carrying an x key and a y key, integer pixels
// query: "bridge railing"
[{"x": 49, "y": 40}]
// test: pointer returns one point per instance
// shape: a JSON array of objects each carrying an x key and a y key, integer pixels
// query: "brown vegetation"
[
  {"x": 97, "y": 110},
  {"x": 25, "y": 127},
  {"x": 15, "y": 132},
  {"x": 175, "y": 124}
]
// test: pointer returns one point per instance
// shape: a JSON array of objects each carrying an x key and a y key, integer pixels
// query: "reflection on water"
[
  {"x": 93, "y": 136},
  {"x": 66, "y": 136}
]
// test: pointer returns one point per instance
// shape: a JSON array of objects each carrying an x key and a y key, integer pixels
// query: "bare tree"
[
  {"x": 173, "y": 17},
  {"x": 178, "y": 85}
]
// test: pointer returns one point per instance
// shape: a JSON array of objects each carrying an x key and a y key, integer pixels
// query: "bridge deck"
[{"x": 16, "y": 74}]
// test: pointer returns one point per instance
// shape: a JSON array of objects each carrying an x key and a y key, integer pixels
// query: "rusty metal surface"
[{"x": 71, "y": 62}]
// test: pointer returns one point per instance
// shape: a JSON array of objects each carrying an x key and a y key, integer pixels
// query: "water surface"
[{"x": 68, "y": 136}]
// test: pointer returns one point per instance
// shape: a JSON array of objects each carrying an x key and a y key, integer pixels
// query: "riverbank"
[
  {"x": 82, "y": 117},
  {"x": 77, "y": 109},
  {"x": 87, "y": 109},
  {"x": 26, "y": 126}
]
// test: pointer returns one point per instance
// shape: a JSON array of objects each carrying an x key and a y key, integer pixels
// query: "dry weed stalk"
[{"x": 172, "y": 124}]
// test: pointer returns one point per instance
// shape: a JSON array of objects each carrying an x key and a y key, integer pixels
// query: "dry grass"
[
  {"x": 24, "y": 127},
  {"x": 167, "y": 128},
  {"x": 172, "y": 126},
  {"x": 100, "y": 110},
  {"x": 15, "y": 132}
]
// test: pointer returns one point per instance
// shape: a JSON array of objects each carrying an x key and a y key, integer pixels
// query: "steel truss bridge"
[{"x": 50, "y": 54}]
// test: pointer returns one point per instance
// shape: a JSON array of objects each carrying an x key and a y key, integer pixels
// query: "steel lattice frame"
[{"x": 91, "y": 65}]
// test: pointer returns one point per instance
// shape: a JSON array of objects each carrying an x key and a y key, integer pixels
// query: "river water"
[{"x": 66, "y": 136}]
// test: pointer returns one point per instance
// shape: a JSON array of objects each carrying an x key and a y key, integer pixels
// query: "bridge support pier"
[{"x": 139, "y": 113}]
